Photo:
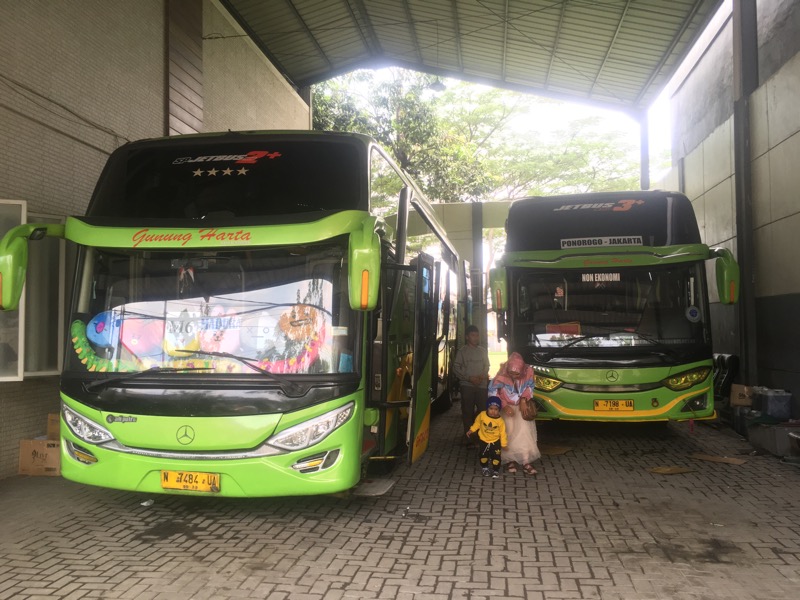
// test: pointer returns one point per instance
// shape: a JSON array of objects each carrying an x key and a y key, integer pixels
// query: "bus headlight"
[
  {"x": 313, "y": 431},
  {"x": 546, "y": 384},
  {"x": 685, "y": 380},
  {"x": 85, "y": 429}
]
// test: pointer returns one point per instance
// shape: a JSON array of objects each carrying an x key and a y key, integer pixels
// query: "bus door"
[
  {"x": 392, "y": 357},
  {"x": 419, "y": 417},
  {"x": 440, "y": 339},
  {"x": 445, "y": 348}
]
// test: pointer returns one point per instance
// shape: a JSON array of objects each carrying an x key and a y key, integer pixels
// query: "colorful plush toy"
[
  {"x": 219, "y": 331},
  {"x": 103, "y": 329}
]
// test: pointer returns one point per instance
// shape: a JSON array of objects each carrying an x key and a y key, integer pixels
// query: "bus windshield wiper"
[
  {"x": 126, "y": 376},
  {"x": 659, "y": 345},
  {"x": 664, "y": 349},
  {"x": 284, "y": 383},
  {"x": 553, "y": 352}
]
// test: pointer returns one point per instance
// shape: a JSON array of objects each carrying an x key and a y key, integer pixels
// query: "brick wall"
[{"x": 78, "y": 78}]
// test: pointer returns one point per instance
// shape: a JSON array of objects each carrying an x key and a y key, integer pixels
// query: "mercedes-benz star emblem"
[
  {"x": 185, "y": 435},
  {"x": 612, "y": 376}
]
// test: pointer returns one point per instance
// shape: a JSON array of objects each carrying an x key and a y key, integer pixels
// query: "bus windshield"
[
  {"x": 570, "y": 313},
  {"x": 252, "y": 312}
]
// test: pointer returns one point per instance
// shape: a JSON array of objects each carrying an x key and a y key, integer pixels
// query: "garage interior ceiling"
[{"x": 613, "y": 53}]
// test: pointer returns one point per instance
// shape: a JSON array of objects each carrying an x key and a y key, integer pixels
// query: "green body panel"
[
  {"x": 726, "y": 272},
  {"x": 243, "y": 477},
  {"x": 422, "y": 413},
  {"x": 211, "y": 433},
  {"x": 172, "y": 237},
  {"x": 14, "y": 259},
  {"x": 621, "y": 256},
  {"x": 658, "y": 404},
  {"x": 364, "y": 258}
]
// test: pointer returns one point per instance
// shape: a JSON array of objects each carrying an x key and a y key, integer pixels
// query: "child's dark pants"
[{"x": 489, "y": 454}]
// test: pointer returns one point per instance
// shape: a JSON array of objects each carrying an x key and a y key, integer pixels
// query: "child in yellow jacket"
[{"x": 491, "y": 435}]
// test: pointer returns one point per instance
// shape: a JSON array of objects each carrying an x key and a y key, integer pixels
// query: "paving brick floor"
[{"x": 595, "y": 523}]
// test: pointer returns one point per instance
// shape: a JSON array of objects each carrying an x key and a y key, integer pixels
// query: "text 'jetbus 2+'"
[
  {"x": 607, "y": 296},
  {"x": 249, "y": 316}
]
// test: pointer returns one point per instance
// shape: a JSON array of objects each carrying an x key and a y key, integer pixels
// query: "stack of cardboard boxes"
[{"x": 42, "y": 456}]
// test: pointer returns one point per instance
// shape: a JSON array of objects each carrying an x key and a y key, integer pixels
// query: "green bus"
[
  {"x": 607, "y": 296},
  {"x": 249, "y": 316}
]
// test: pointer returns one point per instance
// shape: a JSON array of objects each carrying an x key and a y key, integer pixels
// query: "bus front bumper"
[
  {"x": 696, "y": 404},
  {"x": 333, "y": 465}
]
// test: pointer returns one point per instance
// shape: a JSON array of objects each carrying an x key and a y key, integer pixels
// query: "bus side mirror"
[
  {"x": 364, "y": 275},
  {"x": 497, "y": 284},
  {"x": 727, "y": 275},
  {"x": 14, "y": 259}
]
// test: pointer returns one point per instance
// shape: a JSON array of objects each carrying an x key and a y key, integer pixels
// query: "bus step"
[{"x": 373, "y": 487}]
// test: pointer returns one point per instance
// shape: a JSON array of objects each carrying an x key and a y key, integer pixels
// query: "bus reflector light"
[
  {"x": 318, "y": 462},
  {"x": 687, "y": 379},
  {"x": 86, "y": 429},
  {"x": 81, "y": 454}
]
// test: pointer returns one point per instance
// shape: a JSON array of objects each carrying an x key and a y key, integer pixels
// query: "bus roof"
[{"x": 645, "y": 218}]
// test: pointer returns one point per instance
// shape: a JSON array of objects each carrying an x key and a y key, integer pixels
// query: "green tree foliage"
[
  {"x": 401, "y": 113},
  {"x": 462, "y": 144},
  {"x": 577, "y": 159}
]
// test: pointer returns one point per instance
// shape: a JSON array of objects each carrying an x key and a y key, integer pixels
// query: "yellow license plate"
[
  {"x": 190, "y": 480},
  {"x": 612, "y": 405}
]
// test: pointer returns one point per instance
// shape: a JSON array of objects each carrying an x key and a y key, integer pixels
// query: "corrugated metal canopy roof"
[{"x": 614, "y": 53}]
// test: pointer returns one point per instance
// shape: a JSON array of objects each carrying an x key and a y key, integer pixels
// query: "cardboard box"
[
  {"x": 53, "y": 426},
  {"x": 741, "y": 395},
  {"x": 40, "y": 457}
]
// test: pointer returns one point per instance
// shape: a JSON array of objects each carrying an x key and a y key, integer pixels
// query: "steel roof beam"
[
  {"x": 668, "y": 52},
  {"x": 610, "y": 46},
  {"x": 555, "y": 45},
  {"x": 374, "y": 43},
  {"x": 457, "y": 28},
  {"x": 413, "y": 31},
  {"x": 309, "y": 33},
  {"x": 505, "y": 43}
]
